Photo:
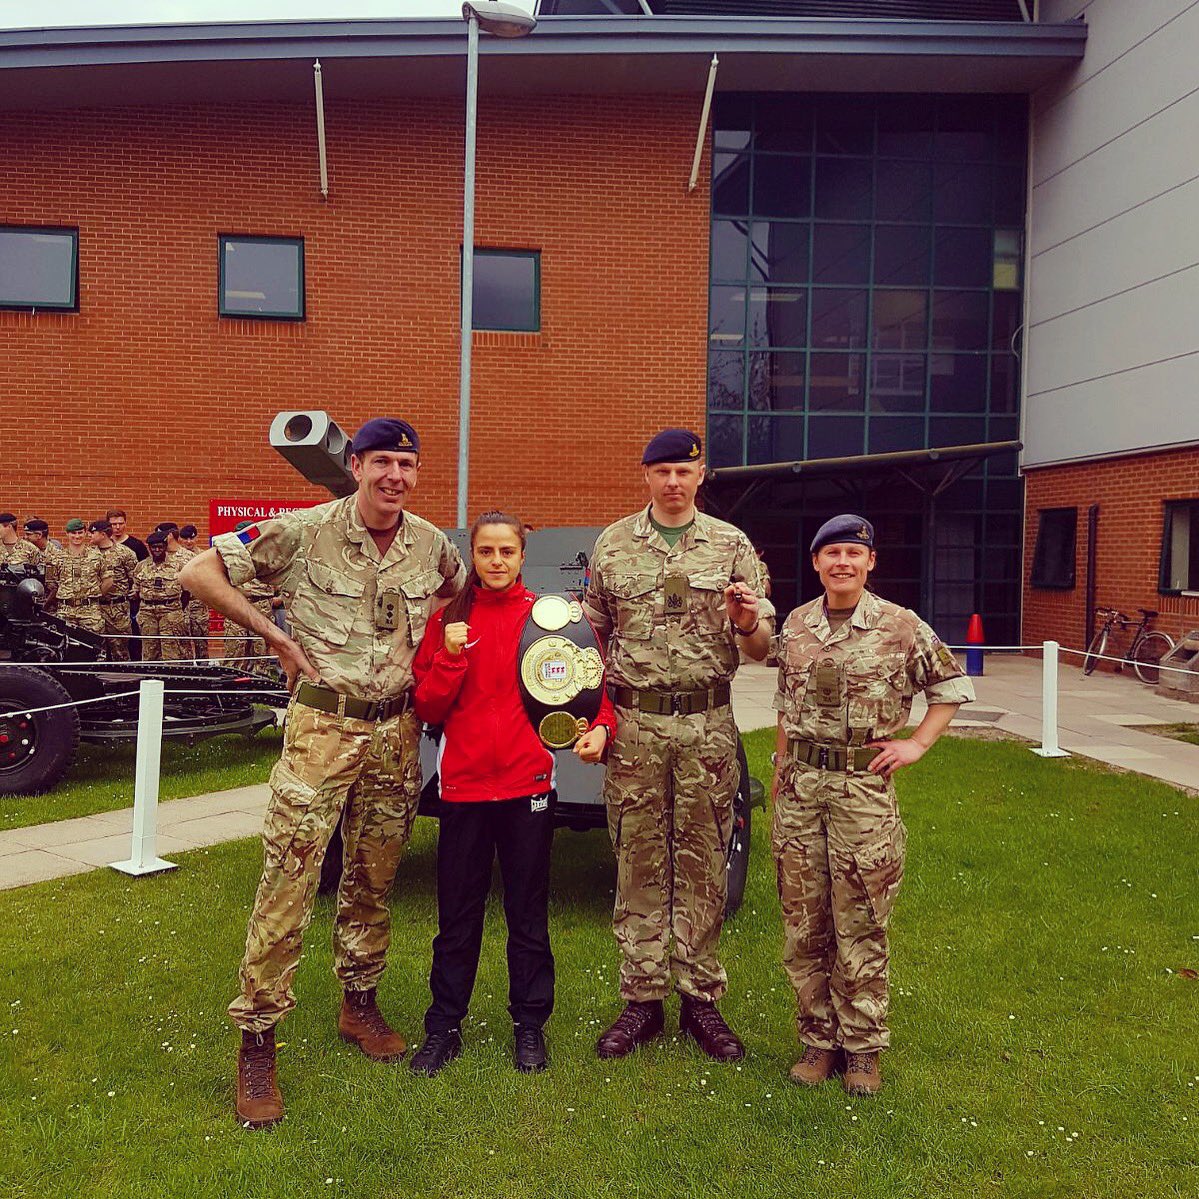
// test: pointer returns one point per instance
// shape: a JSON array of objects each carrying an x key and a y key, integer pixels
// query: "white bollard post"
[
  {"x": 1049, "y": 747},
  {"x": 144, "y": 857}
]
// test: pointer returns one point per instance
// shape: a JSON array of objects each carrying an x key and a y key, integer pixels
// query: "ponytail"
[{"x": 459, "y": 608}]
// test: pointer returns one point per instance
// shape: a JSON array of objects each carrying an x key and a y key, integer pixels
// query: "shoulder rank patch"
[{"x": 249, "y": 534}]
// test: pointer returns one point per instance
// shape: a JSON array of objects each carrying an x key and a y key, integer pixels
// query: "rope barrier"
[{"x": 75, "y": 703}]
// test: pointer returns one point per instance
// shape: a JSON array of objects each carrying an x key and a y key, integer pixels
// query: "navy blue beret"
[
  {"x": 845, "y": 527},
  {"x": 386, "y": 433},
  {"x": 156, "y": 538},
  {"x": 7, "y": 518},
  {"x": 673, "y": 445}
]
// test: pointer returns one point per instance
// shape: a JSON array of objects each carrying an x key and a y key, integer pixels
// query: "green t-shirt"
[
  {"x": 838, "y": 616},
  {"x": 671, "y": 534}
]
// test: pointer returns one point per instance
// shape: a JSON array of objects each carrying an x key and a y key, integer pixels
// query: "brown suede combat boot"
[
  {"x": 259, "y": 1104},
  {"x": 862, "y": 1075},
  {"x": 814, "y": 1066},
  {"x": 362, "y": 1024}
]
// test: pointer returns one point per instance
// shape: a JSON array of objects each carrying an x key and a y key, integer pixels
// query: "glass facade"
[{"x": 865, "y": 298}]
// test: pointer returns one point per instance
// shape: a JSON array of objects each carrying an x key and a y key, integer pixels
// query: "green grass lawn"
[
  {"x": 1179, "y": 732},
  {"x": 101, "y": 779},
  {"x": 1044, "y": 1038}
]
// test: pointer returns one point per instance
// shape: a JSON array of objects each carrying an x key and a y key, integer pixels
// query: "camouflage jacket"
[
  {"x": 79, "y": 576},
  {"x": 119, "y": 564},
  {"x": 21, "y": 553},
  {"x": 863, "y": 676},
  {"x": 157, "y": 582},
  {"x": 357, "y": 616},
  {"x": 52, "y": 562},
  {"x": 692, "y": 645}
]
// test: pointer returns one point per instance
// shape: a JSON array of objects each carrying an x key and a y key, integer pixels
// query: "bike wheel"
[
  {"x": 1095, "y": 651},
  {"x": 1148, "y": 653}
]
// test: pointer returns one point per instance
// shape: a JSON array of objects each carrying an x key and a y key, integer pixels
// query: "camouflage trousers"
[
  {"x": 119, "y": 628},
  {"x": 83, "y": 616},
  {"x": 197, "y": 626},
  {"x": 838, "y": 847},
  {"x": 165, "y": 631},
  {"x": 332, "y": 767},
  {"x": 246, "y": 650},
  {"x": 669, "y": 793}
]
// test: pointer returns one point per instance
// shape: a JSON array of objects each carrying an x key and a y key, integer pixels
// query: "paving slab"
[{"x": 35, "y": 866}]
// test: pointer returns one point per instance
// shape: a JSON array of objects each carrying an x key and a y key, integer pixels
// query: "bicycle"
[{"x": 1148, "y": 648}]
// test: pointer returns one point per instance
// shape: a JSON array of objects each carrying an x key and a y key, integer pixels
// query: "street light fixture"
[{"x": 500, "y": 20}]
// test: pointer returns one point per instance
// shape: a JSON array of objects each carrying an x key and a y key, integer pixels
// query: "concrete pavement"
[{"x": 1098, "y": 718}]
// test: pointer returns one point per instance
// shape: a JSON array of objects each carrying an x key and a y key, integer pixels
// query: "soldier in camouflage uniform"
[
  {"x": 849, "y": 664},
  {"x": 360, "y": 578},
  {"x": 79, "y": 584},
  {"x": 14, "y": 549},
  {"x": 675, "y": 593},
  {"x": 37, "y": 533},
  {"x": 157, "y": 587},
  {"x": 116, "y": 583},
  {"x": 197, "y": 613}
]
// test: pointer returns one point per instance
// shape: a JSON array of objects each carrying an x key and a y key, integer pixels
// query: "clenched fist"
[{"x": 455, "y": 637}]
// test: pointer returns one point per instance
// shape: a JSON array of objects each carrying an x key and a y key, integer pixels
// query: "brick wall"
[
  {"x": 1130, "y": 492},
  {"x": 147, "y": 399}
]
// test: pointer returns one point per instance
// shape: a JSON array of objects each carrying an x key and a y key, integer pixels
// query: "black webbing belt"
[{"x": 323, "y": 699}]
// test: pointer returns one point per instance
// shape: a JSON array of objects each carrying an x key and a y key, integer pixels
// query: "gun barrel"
[{"x": 317, "y": 447}]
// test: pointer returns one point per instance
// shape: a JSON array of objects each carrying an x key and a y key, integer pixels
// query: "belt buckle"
[
  {"x": 341, "y": 704},
  {"x": 676, "y": 704},
  {"x": 822, "y": 759}
]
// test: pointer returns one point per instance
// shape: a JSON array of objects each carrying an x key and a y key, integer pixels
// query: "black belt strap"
[
  {"x": 324, "y": 699},
  {"x": 848, "y": 758},
  {"x": 113, "y": 599},
  {"x": 672, "y": 703}
]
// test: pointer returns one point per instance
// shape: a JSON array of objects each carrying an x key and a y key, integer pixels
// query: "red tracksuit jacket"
[{"x": 489, "y": 748}]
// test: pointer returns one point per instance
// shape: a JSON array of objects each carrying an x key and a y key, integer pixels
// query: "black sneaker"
[
  {"x": 528, "y": 1054},
  {"x": 436, "y": 1052}
]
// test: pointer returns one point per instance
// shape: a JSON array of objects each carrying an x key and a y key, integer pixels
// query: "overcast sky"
[{"x": 38, "y": 14}]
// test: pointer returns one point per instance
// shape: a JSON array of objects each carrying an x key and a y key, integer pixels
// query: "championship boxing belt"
[{"x": 560, "y": 670}]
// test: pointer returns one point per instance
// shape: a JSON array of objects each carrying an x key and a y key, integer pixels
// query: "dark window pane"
[
  {"x": 956, "y": 430},
  {"x": 506, "y": 291},
  {"x": 902, "y": 254},
  {"x": 1007, "y": 314},
  {"x": 783, "y": 123},
  {"x": 837, "y": 382},
  {"x": 1010, "y": 198},
  {"x": 732, "y": 120},
  {"x": 1003, "y": 528},
  {"x": 962, "y": 193},
  {"x": 730, "y": 184},
  {"x": 782, "y": 186},
  {"x": 1011, "y": 128},
  {"x": 897, "y": 382},
  {"x": 1003, "y": 428},
  {"x": 968, "y": 493},
  {"x": 263, "y": 277},
  {"x": 1004, "y": 493},
  {"x": 904, "y": 191},
  {"x": 964, "y": 128},
  {"x": 836, "y": 436},
  {"x": 776, "y": 382},
  {"x": 843, "y": 188},
  {"x": 778, "y": 316},
  {"x": 900, "y": 320},
  {"x": 844, "y": 124},
  {"x": 726, "y": 381},
  {"x": 726, "y": 321},
  {"x": 37, "y": 268},
  {"x": 779, "y": 252},
  {"x": 963, "y": 257},
  {"x": 841, "y": 253},
  {"x": 776, "y": 438},
  {"x": 730, "y": 139},
  {"x": 1007, "y": 266},
  {"x": 729, "y": 250},
  {"x": 890, "y": 434},
  {"x": 960, "y": 320},
  {"x": 1005, "y": 382},
  {"x": 838, "y": 318},
  {"x": 905, "y": 126},
  {"x": 724, "y": 440},
  {"x": 958, "y": 383},
  {"x": 1053, "y": 555}
]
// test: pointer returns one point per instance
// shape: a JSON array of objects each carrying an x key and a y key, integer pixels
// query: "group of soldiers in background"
[{"x": 127, "y": 590}]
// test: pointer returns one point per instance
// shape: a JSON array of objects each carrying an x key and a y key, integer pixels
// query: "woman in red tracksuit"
[{"x": 496, "y": 777}]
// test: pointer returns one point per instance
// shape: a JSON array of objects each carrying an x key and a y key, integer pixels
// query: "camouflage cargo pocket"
[
  {"x": 297, "y": 826},
  {"x": 708, "y": 611},
  {"x": 325, "y": 603},
  {"x": 634, "y": 601},
  {"x": 880, "y": 866}
]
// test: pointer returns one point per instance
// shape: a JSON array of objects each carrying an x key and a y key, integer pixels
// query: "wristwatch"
[{"x": 745, "y": 632}]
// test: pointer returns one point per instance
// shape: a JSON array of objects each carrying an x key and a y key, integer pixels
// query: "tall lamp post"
[{"x": 502, "y": 20}]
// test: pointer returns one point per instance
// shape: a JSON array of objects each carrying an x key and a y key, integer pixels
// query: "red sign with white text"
[{"x": 225, "y": 515}]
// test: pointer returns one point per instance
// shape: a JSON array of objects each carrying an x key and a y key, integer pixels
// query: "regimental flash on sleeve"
[{"x": 252, "y": 533}]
